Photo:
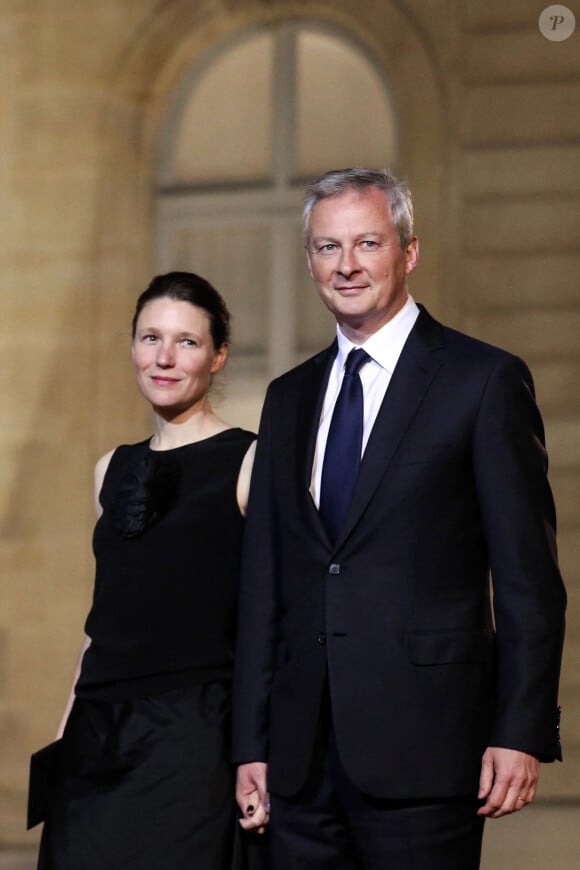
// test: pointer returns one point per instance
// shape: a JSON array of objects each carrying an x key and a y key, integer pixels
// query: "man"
[{"x": 377, "y": 699}]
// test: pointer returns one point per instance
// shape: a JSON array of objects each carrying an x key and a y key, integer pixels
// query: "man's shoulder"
[
  {"x": 461, "y": 344},
  {"x": 476, "y": 347},
  {"x": 311, "y": 367}
]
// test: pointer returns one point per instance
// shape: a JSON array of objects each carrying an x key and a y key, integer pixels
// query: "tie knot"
[{"x": 355, "y": 361}]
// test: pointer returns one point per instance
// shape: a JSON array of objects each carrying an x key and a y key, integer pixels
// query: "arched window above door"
[
  {"x": 295, "y": 97},
  {"x": 222, "y": 129},
  {"x": 249, "y": 124}
]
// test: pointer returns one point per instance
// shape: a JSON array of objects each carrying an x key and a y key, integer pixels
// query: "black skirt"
[{"x": 145, "y": 785}]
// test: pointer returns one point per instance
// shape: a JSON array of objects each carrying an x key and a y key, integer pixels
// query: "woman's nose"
[{"x": 165, "y": 356}]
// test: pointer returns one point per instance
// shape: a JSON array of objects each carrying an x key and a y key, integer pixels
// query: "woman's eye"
[
  {"x": 149, "y": 339},
  {"x": 188, "y": 342}
]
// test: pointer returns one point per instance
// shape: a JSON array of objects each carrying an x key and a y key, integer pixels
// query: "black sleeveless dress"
[{"x": 146, "y": 782}]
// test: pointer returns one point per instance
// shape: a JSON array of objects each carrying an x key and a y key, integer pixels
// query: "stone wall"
[
  {"x": 516, "y": 191},
  {"x": 490, "y": 129}
]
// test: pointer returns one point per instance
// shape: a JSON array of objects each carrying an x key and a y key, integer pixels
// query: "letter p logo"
[{"x": 557, "y": 23}]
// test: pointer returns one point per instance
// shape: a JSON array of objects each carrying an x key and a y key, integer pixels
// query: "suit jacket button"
[
  {"x": 334, "y": 568},
  {"x": 322, "y": 639}
]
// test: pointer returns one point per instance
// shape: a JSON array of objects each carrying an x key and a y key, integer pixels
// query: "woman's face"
[{"x": 174, "y": 355}]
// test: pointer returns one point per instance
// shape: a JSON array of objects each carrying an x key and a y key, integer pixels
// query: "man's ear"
[{"x": 411, "y": 255}]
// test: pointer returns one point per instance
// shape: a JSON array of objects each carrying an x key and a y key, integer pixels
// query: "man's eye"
[
  {"x": 329, "y": 248},
  {"x": 149, "y": 339},
  {"x": 188, "y": 342},
  {"x": 368, "y": 244}
]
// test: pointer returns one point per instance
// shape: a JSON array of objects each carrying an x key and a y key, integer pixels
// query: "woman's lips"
[{"x": 164, "y": 382}]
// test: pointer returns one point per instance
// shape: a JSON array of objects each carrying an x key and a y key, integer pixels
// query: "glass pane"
[
  {"x": 224, "y": 131},
  {"x": 236, "y": 261},
  {"x": 345, "y": 117}
]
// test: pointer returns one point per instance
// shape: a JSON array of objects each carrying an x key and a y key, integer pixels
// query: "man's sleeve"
[
  {"x": 257, "y": 608},
  {"x": 518, "y": 515}
]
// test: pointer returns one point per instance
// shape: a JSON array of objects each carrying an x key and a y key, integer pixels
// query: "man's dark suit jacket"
[{"x": 395, "y": 616}]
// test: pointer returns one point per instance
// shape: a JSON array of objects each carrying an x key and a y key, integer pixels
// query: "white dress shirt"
[{"x": 384, "y": 347}]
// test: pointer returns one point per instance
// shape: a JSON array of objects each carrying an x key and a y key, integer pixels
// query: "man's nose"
[{"x": 348, "y": 263}]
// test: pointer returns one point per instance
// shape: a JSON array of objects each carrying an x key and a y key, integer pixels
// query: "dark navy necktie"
[{"x": 343, "y": 446}]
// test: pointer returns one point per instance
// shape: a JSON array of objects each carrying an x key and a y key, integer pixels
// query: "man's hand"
[
  {"x": 252, "y": 796},
  {"x": 508, "y": 780}
]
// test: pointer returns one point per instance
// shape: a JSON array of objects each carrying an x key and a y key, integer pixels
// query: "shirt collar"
[{"x": 385, "y": 345}]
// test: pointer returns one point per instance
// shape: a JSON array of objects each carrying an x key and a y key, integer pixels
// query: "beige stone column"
[
  {"x": 54, "y": 64},
  {"x": 516, "y": 194}
]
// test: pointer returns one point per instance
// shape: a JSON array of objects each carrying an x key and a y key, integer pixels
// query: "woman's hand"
[{"x": 252, "y": 796}]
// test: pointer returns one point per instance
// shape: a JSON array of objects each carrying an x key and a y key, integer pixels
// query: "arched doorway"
[{"x": 247, "y": 126}]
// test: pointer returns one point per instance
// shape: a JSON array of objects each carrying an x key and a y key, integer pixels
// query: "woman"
[{"x": 144, "y": 779}]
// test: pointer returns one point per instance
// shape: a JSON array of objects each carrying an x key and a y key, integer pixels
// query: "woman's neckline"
[{"x": 191, "y": 443}]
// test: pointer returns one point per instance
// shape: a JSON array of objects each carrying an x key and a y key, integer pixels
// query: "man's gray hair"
[{"x": 339, "y": 181}]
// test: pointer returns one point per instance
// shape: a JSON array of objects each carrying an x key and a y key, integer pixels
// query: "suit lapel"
[
  {"x": 419, "y": 361},
  {"x": 310, "y": 403}
]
